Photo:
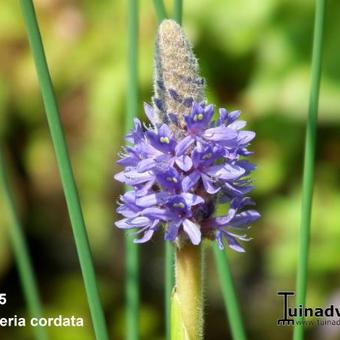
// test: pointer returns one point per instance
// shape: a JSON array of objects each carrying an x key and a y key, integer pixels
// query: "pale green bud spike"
[{"x": 176, "y": 74}]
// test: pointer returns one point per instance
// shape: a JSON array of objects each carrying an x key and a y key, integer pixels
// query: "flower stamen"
[
  {"x": 172, "y": 179},
  {"x": 199, "y": 116},
  {"x": 164, "y": 140},
  {"x": 179, "y": 205}
]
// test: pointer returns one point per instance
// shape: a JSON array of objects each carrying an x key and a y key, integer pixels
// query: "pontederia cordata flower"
[{"x": 186, "y": 162}]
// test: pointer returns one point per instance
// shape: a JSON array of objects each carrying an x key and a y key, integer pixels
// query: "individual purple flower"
[
  {"x": 179, "y": 172},
  {"x": 237, "y": 220},
  {"x": 162, "y": 139}
]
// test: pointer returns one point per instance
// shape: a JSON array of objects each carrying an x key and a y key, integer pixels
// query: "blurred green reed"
[
  {"x": 169, "y": 284},
  {"x": 308, "y": 170},
  {"x": 160, "y": 9},
  {"x": 178, "y": 10},
  {"x": 229, "y": 294},
  {"x": 65, "y": 170},
  {"x": 132, "y": 263},
  {"x": 21, "y": 253}
]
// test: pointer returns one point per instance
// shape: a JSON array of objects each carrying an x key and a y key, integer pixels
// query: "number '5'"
[{"x": 3, "y": 299}]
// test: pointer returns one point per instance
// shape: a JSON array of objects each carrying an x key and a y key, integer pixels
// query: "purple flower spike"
[
  {"x": 184, "y": 163},
  {"x": 179, "y": 176}
]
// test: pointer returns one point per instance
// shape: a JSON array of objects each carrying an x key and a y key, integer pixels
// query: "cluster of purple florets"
[{"x": 181, "y": 170}]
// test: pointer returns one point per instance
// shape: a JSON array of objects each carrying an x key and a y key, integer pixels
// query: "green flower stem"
[
  {"x": 229, "y": 294},
  {"x": 178, "y": 8},
  {"x": 187, "y": 300},
  {"x": 132, "y": 289},
  {"x": 65, "y": 169},
  {"x": 308, "y": 171},
  {"x": 169, "y": 284},
  {"x": 27, "y": 279},
  {"x": 160, "y": 10}
]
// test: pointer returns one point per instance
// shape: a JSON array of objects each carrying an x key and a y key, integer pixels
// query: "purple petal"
[
  {"x": 136, "y": 134},
  {"x": 220, "y": 134},
  {"x": 209, "y": 185},
  {"x": 222, "y": 221},
  {"x": 135, "y": 222},
  {"x": 237, "y": 190},
  {"x": 126, "y": 211},
  {"x": 239, "y": 202},
  {"x": 164, "y": 130},
  {"x": 155, "y": 212},
  {"x": 193, "y": 231},
  {"x": 191, "y": 199},
  {"x": 219, "y": 239},
  {"x": 146, "y": 237},
  {"x": 152, "y": 199},
  {"x": 144, "y": 189},
  {"x": 178, "y": 206},
  {"x": 226, "y": 172},
  {"x": 189, "y": 181},
  {"x": 237, "y": 125},
  {"x": 162, "y": 140},
  {"x": 233, "y": 244},
  {"x": 148, "y": 109},
  {"x": 169, "y": 179},
  {"x": 122, "y": 224},
  {"x": 247, "y": 166},
  {"x": 120, "y": 177},
  {"x": 223, "y": 116},
  {"x": 245, "y": 218},
  {"x": 244, "y": 137},
  {"x": 183, "y": 145},
  {"x": 233, "y": 115},
  {"x": 172, "y": 231},
  {"x": 184, "y": 162},
  {"x": 146, "y": 164},
  {"x": 128, "y": 161},
  {"x": 199, "y": 117},
  {"x": 139, "y": 221},
  {"x": 133, "y": 177}
]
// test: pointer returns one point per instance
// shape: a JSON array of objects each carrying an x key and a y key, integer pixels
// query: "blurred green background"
[{"x": 255, "y": 56}]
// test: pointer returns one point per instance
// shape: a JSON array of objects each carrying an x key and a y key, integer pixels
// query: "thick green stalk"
[
  {"x": 178, "y": 9},
  {"x": 65, "y": 170},
  {"x": 169, "y": 284},
  {"x": 132, "y": 290},
  {"x": 187, "y": 299},
  {"x": 229, "y": 294},
  {"x": 26, "y": 275},
  {"x": 160, "y": 10},
  {"x": 308, "y": 171}
]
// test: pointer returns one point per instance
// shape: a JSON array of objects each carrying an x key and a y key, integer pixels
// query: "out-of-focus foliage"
[{"x": 255, "y": 55}]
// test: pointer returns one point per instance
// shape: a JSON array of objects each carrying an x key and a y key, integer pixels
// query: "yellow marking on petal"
[
  {"x": 200, "y": 116},
  {"x": 179, "y": 205},
  {"x": 172, "y": 179},
  {"x": 164, "y": 140}
]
